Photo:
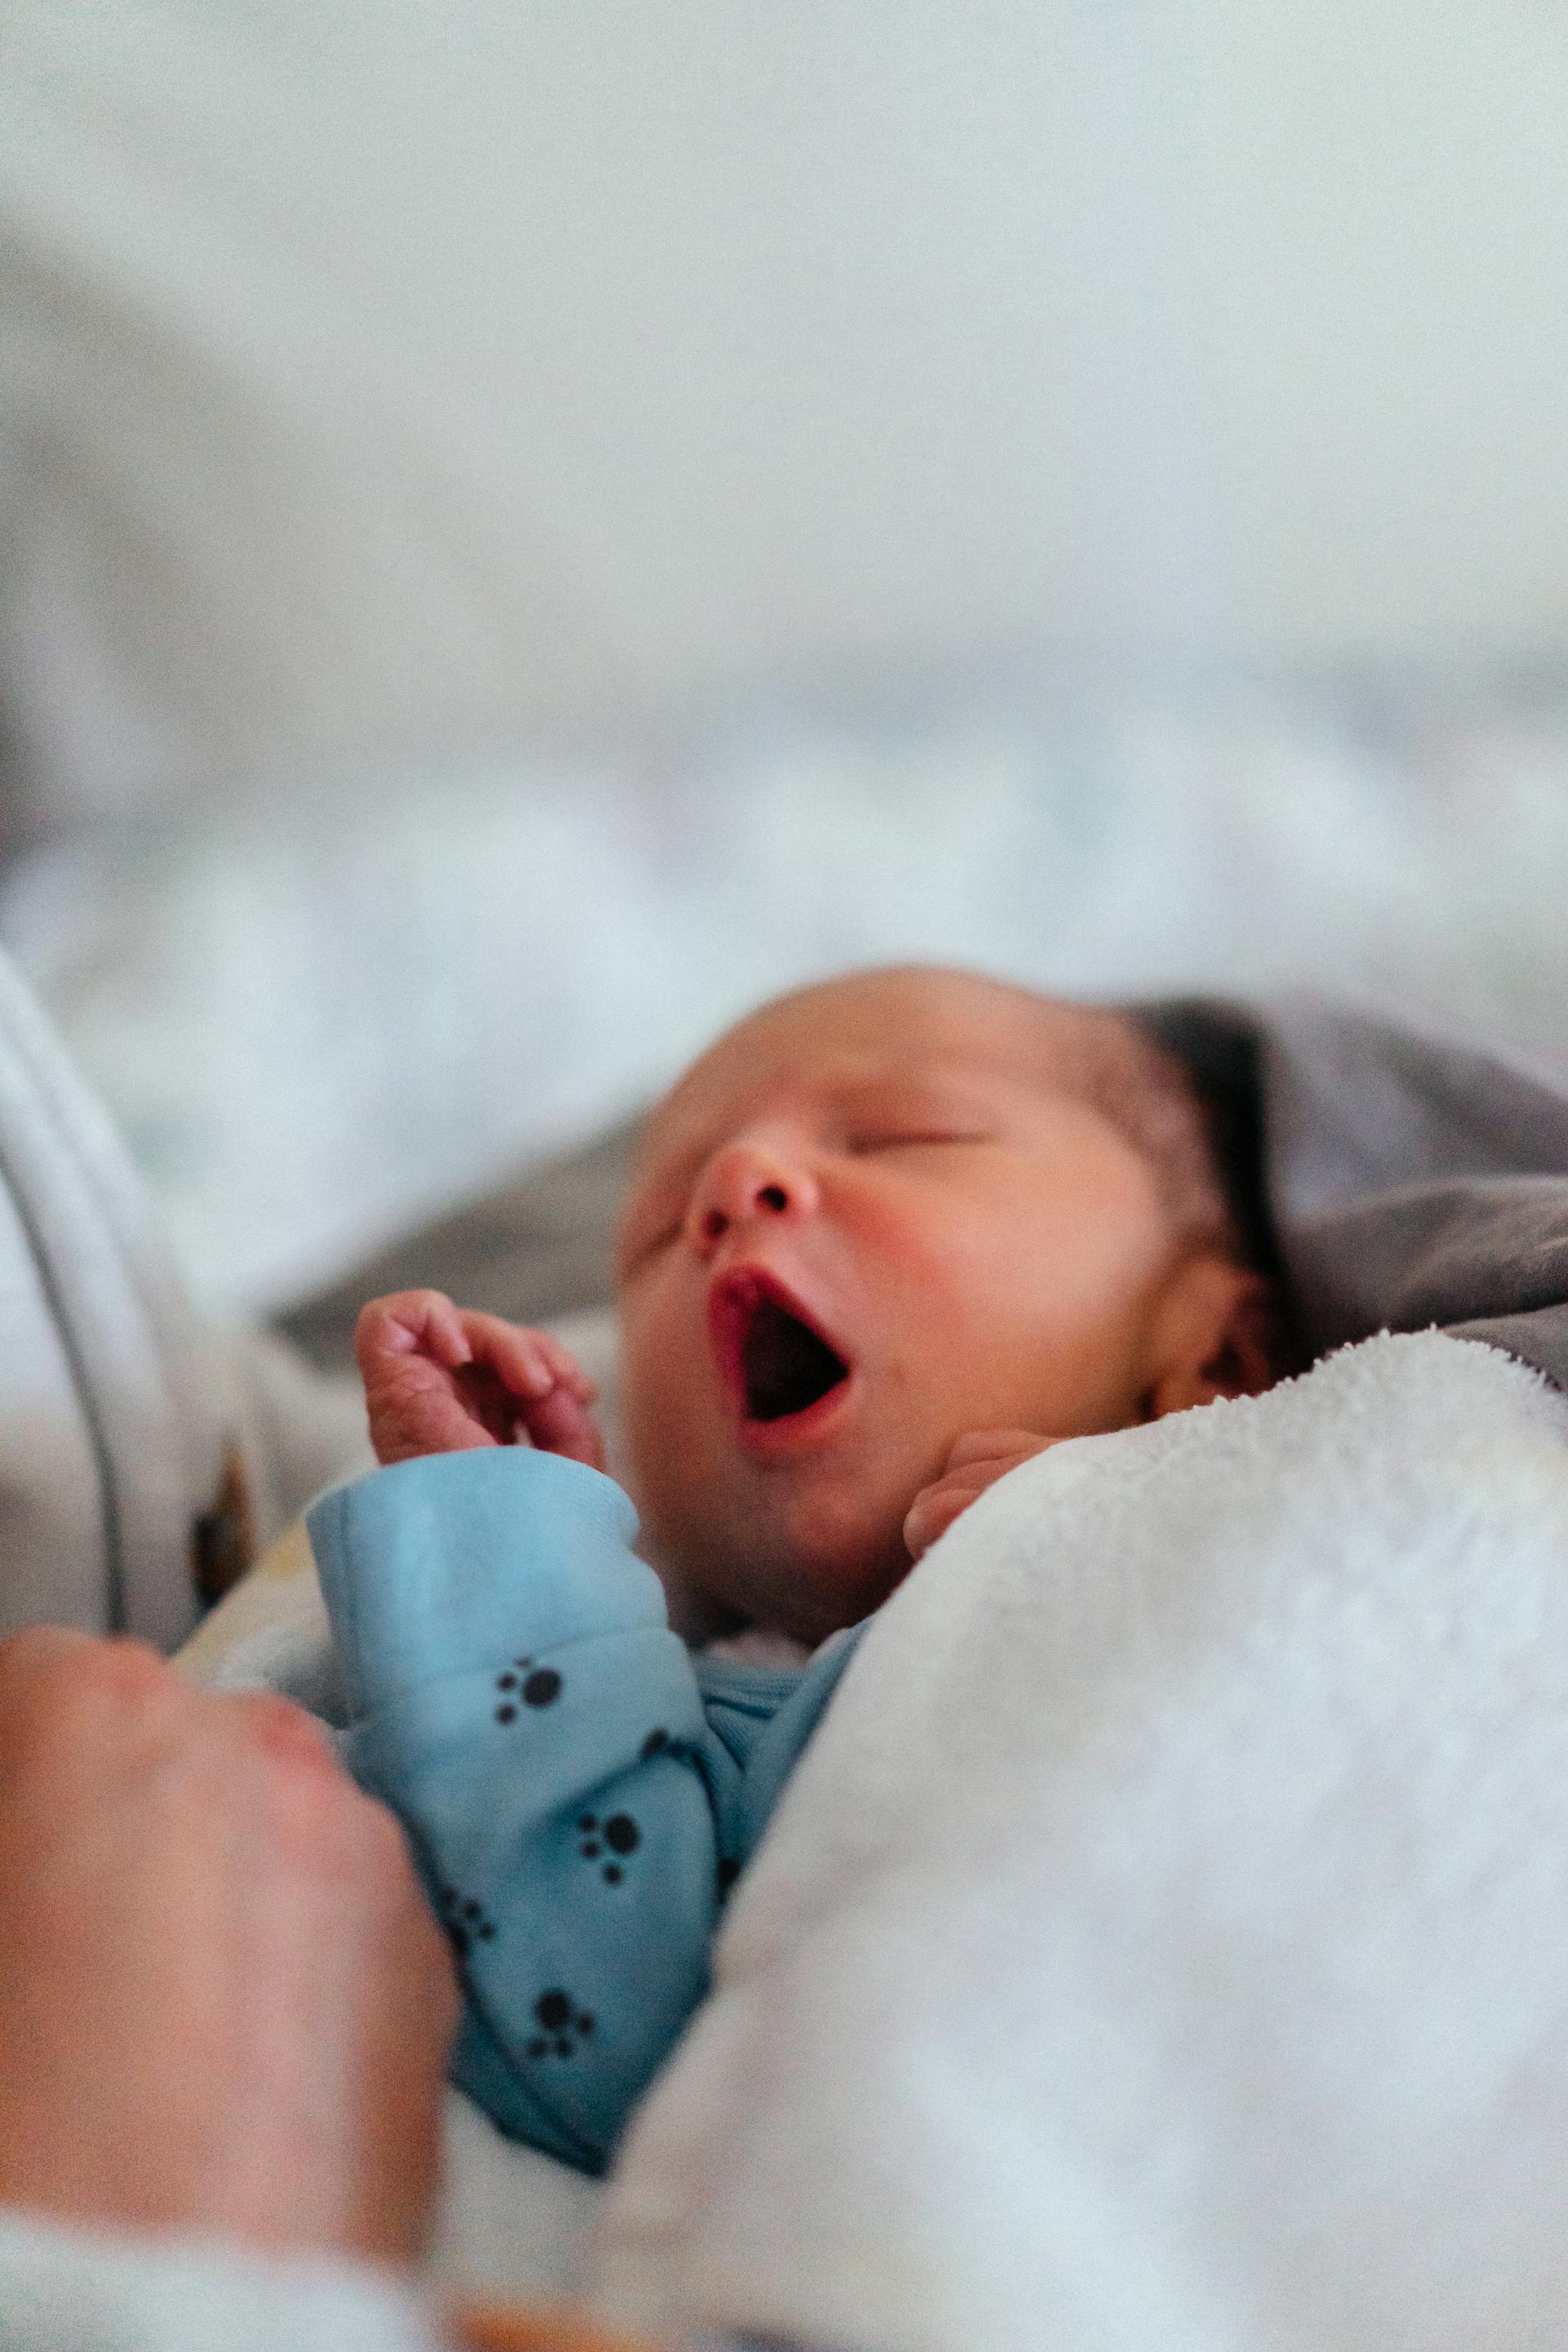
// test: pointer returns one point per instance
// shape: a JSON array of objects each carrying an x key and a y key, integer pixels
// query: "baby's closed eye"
[
  {"x": 912, "y": 1139},
  {"x": 910, "y": 1117},
  {"x": 639, "y": 1248}
]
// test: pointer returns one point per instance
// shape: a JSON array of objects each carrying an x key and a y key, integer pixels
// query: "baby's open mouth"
[
  {"x": 779, "y": 1362},
  {"x": 785, "y": 1366}
]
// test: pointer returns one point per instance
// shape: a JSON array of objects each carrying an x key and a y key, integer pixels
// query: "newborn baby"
[{"x": 886, "y": 1239}]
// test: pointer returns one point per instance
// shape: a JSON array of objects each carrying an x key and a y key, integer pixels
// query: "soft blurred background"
[{"x": 525, "y": 528}]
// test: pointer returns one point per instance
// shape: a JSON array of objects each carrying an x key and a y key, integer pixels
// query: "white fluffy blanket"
[{"x": 1164, "y": 1942}]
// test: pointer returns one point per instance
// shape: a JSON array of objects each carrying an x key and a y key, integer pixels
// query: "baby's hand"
[
  {"x": 439, "y": 1379},
  {"x": 976, "y": 1462}
]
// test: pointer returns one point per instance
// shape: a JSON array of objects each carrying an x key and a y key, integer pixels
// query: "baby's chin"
[{"x": 808, "y": 1584}]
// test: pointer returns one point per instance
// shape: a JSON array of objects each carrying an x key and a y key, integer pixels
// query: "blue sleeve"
[{"x": 517, "y": 1697}]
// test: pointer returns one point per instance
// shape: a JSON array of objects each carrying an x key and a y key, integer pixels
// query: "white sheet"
[
  {"x": 80, "y": 2290},
  {"x": 1163, "y": 1941}
]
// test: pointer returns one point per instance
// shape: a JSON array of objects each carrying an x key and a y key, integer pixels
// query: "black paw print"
[
  {"x": 541, "y": 1687},
  {"x": 563, "y": 2029},
  {"x": 620, "y": 1834},
  {"x": 464, "y": 1920}
]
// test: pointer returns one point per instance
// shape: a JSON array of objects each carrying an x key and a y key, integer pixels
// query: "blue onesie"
[{"x": 580, "y": 1789}]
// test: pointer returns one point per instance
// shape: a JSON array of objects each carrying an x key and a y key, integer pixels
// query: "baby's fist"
[
  {"x": 440, "y": 1378},
  {"x": 976, "y": 1462}
]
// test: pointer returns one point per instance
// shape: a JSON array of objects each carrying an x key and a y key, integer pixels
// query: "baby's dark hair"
[{"x": 1150, "y": 1094}]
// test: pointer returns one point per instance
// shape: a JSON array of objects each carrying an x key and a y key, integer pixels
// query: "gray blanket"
[
  {"x": 536, "y": 1250},
  {"x": 1395, "y": 1179},
  {"x": 1392, "y": 1180}
]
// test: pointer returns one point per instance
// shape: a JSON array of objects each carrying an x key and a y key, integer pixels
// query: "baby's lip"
[{"x": 735, "y": 1297}]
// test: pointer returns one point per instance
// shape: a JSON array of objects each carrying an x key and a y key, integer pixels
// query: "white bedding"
[{"x": 1161, "y": 1942}]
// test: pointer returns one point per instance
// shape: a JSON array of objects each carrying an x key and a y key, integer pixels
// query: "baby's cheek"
[{"x": 667, "y": 1465}]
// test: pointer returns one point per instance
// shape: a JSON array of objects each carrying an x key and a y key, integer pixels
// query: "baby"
[{"x": 886, "y": 1239}]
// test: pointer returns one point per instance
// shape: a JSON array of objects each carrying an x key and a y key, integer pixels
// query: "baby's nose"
[{"x": 747, "y": 1183}]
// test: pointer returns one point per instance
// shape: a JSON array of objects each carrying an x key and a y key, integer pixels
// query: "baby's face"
[{"x": 864, "y": 1224}]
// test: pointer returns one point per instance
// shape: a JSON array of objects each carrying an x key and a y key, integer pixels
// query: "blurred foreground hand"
[{"x": 224, "y": 2006}]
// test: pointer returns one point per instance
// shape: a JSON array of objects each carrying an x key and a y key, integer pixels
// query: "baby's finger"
[
  {"x": 444, "y": 1334},
  {"x": 513, "y": 1353},
  {"x": 408, "y": 1321},
  {"x": 930, "y": 1515},
  {"x": 561, "y": 1423},
  {"x": 996, "y": 1445},
  {"x": 565, "y": 1367}
]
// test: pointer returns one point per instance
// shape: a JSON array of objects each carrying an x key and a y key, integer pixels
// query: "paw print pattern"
[
  {"x": 620, "y": 1834},
  {"x": 534, "y": 1685},
  {"x": 563, "y": 2028},
  {"x": 464, "y": 1919}
]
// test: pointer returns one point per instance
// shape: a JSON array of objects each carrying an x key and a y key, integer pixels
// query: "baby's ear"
[{"x": 1213, "y": 1337}]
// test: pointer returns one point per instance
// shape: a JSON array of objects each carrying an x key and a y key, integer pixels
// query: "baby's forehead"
[{"x": 846, "y": 1039}]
